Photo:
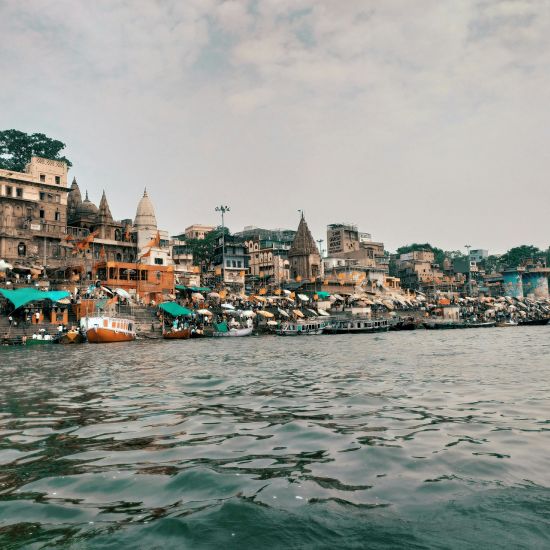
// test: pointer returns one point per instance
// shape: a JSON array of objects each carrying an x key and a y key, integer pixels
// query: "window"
[
  {"x": 19, "y": 192},
  {"x": 21, "y": 249},
  {"x": 42, "y": 196},
  {"x": 50, "y": 197},
  {"x": 239, "y": 263},
  {"x": 9, "y": 191},
  {"x": 42, "y": 214},
  {"x": 58, "y": 216},
  {"x": 42, "y": 177},
  {"x": 57, "y": 180},
  {"x": 158, "y": 261},
  {"x": 56, "y": 198}
]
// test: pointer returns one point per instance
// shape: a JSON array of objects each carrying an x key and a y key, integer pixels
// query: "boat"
[
  {"x": 509, "y": 323},
  {"x": 445, "y": 325},
  {"x": 345, "y": 326},
  {"x": 533, "y": 322},
  {"x": 234, "y": 332},
  {"x": 105, "y": 329},
  {"x": 177, "y": 334},
  {"x": 301, "y": 328},
  {"x": 72, "y": 336},
  {"x": 39, "y": 339},
  {"x": 403, "y": 324}
]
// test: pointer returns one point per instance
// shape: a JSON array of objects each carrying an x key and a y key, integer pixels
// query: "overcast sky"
[{"x": 424, "y": 120}]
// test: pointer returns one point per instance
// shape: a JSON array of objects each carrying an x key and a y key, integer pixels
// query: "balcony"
[{"x": 11, "y": 226}]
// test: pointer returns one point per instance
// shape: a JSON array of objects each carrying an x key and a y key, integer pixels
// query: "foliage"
[
  {"x": 17, "y": 148},
  {"x": 439, "y": 254},
  {"x": 203, "y": 249},
  {"x": 519, "y": 254}
]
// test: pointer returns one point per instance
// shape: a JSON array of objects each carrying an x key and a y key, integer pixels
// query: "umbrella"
[
  {"x": 323, "y": 313},
  {"x": 197, "y": 296},
  {"x": 122, "y": 293},
  {"x": 297, "y": 312},
  {"x": 314, "y": 312},
  {"x": 204, "y": 312},
  {"x": 287, "y": 292},
  {"x": 303, "y": 297},
  {"x": 248, "y": 313},
  {"x": 213, "y": 295},
  {"x": 272, "y": 323},
  {"x": 282, "y": 312},
  {"x": 228, "y": 306},
  {"x": 266, "y": 314},
  {"x": 4, "y": 266}
]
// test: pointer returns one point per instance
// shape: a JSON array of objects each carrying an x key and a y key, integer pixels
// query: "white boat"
[
  {"x": 340, "y": 326},
  {"x": 105, "y": 329},
  {"x": 301, "y": 328},
  {"x": 234, "y": 332}
]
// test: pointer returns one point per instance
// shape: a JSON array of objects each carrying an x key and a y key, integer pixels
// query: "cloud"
[{"x": 416, "y": 120}]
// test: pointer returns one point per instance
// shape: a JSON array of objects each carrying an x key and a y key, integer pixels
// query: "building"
[
  {"x": 230, "y": 262},
  {"x": 33, "y": 214},
  {"x": 268, "y": 254},
  {"x": 198, "y": 231},
  {"x": 347, "y": 242},
  {"x": 304, "y": 257},
  {"x": 478, "y": 255}
]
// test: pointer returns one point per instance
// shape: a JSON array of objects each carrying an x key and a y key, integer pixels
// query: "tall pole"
[
  {"x": 468, "y": 246},
  {"x": 223, "y": 209}
]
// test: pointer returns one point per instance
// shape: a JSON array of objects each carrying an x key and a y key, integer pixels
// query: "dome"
[
  {"x": 86, "y": 208},
  {"x": 145, "y": 214}
]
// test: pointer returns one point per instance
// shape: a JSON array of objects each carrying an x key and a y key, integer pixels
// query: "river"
[{"x": 424, "y": 439}]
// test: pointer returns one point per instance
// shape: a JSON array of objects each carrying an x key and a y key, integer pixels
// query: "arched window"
[{"x": 21, "y": 249}]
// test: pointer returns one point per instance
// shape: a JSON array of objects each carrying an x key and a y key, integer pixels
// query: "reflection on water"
[{"x": 418, "y": 440}]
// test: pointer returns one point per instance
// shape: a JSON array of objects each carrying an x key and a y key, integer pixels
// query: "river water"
[{"x": 425, "y": 439}]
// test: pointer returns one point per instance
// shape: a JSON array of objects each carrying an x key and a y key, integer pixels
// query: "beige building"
[
  {"x": 33, "y": 213},
  {"x": 198, "y": 231},
  {"x": 345, "y": 241}
]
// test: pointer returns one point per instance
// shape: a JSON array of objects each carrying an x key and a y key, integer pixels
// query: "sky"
[{"x": 419, "y": 121}]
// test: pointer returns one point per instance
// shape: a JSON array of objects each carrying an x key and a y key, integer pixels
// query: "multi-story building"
[
  {"x": 230, "y": 262},
  {"x": 197, "y": 231},
  {"x": 347, "y": 242},
  {"x": 268, "y": 253},
  {"x": 33, "y": 213},
  {"x": 478, "y": 255}
]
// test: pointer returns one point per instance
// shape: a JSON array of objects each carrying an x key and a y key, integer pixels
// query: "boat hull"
[
  {"x": 71, "y": 337},
  {"x": 534, "y": 322},
  {"x": 234, "y": 333},
  {"x": 183, "y": 334},
  {"x": 99, "y": 335}
]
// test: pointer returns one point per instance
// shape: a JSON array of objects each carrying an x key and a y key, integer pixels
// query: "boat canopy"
[
  {"x": 23, "y": 296},
  {"x": 174, "y": 309}
]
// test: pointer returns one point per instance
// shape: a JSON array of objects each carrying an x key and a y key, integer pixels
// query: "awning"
[
  {"x": 23, "y": 296},
  {"x": 266, "y": 314},
  {"x": 298, "y": 313},
  {"x": 174, "y": 309}
]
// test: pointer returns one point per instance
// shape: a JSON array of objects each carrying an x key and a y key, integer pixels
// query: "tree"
[
  {"x": 17, "y": 148},
  {"x": 439, "y": 255},
  {"x": 517, "y": 255},
  {"x": 203, "y": 249}
]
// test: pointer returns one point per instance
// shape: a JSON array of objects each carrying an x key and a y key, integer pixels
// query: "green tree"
[
  {"x": 439, "y": 254},
  {"x": 517, "y": 255},
  {"x": 17, "y": 148},
  {"x": 203, "y": 249}
]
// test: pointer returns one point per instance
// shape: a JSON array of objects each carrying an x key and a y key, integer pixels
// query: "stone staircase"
[{"x": 148, "y": 325}]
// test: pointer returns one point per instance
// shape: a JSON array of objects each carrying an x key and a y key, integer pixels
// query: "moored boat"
[
  {"x": 177, "y": 334},
  {"x": 72, "y": 336},
  {"x": 345, "y": 326},
  {"x": 301, "y": 328},
  {"x": 534, "y": 322},
  {"x": 234, "y": 332},
  {"x": 104, "y": 329}
]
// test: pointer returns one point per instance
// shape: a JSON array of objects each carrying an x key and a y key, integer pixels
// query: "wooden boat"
[
  {"x": 234, "y": 332},
  {"x": 40, "y": 339},
  {"x": 72, "y": 336},
  {"x": 301, "y": 328},
  {"x": 177, "y": 334},
  {"x": 503, "y": 324},
  {"x": 103, "y": 329},
  {"x": 446, "y": 325},
  {"x": 344, "y": 326}
]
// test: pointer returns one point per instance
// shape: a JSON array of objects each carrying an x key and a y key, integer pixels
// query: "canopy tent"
[
  {"x": 174, "y": 309},
  {"x": 23, "y": 296}
]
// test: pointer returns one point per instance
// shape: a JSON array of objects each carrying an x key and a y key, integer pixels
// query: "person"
[
  {"x": 37, "y": 317},
  {"x": 28, "y": 278},
  {"x": 60, "y": 329}
]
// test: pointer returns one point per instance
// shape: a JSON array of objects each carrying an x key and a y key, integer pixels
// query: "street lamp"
[
  {"x": 468, "y": 246},
  {"x": 223, "y": 209}
]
